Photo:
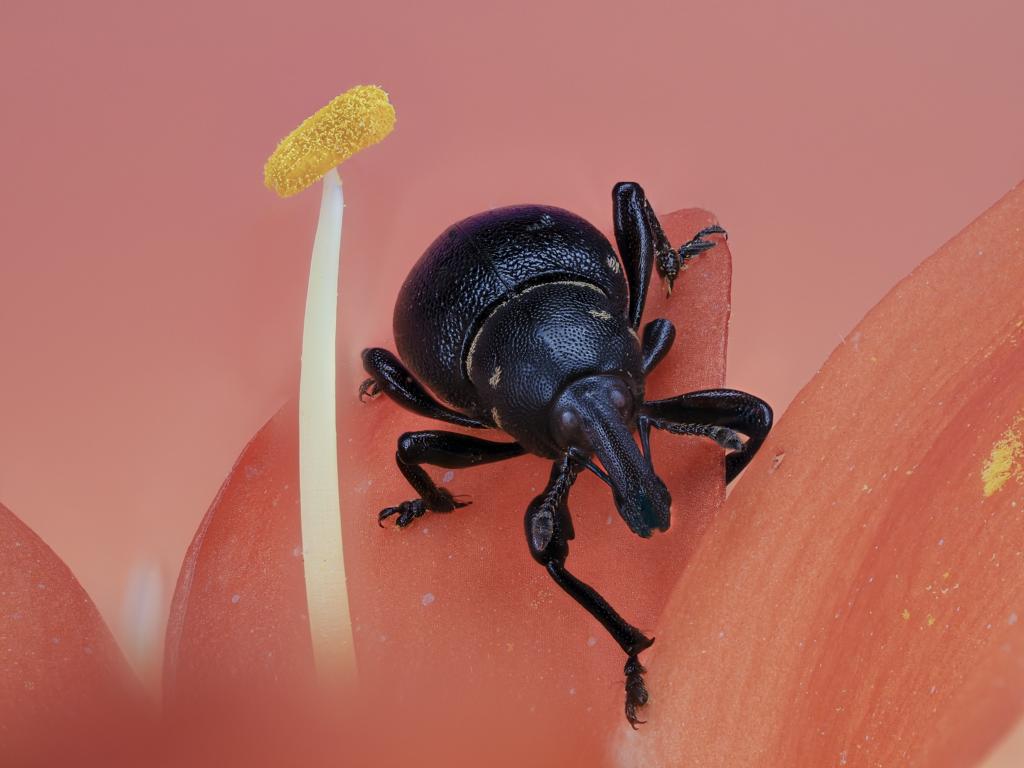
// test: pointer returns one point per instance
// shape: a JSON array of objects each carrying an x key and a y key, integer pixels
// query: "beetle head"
[{"x": 594, "y": 416}]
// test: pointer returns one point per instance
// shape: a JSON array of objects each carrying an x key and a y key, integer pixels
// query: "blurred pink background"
[{"x": 151, "y": 290}]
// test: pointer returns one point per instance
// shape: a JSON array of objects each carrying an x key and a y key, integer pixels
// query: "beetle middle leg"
[
  {"x": 548, "y": 532},
  {"x": 714, "y": 413},
  {"x": 441, "y": 449}
]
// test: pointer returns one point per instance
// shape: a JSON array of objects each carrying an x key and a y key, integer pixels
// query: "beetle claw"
[
  {"x": 407, "y": 511},
  {"x": 369, "y": 388}
]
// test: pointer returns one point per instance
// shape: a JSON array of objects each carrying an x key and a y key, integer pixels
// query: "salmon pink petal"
[
  {"x": 860, "y": 600},
  {"x": 239, "y": 609},
  {"x": 65, "y": 689},
  {"x": 453, "y": 621}
]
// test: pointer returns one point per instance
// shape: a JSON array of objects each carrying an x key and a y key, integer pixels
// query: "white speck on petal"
[
  {"x": 235, "y": 599},
  {"x": 591, "y": 641},
  {"x": 428, "y": 598},
  {"x": 448, "y": 477},
  {"x": 1012, "y": 619}
]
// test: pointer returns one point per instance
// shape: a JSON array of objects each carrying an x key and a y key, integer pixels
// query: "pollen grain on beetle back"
[{"x": 355, "y": 120}]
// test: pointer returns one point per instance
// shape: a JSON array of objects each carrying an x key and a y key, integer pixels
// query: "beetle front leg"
[
  {"x": 717, "y": 414},
  {"x": 441, "y": 449},
  {"x": 548, "y": 532}
]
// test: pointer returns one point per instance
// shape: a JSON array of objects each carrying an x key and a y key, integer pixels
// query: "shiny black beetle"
[{"x": 525, "y": 320}]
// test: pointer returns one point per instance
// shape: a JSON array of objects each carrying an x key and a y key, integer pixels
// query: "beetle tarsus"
[
  {"x": 670, "y": 262},
  {"x": 369, "y": 389},
  {"x": 408, "y": 511},
  {"x": 636, "y": 689},
  {"x": 725, "y": 437}
]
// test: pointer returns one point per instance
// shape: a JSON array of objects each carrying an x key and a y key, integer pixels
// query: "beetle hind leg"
[{"x": 548, "y": 532}]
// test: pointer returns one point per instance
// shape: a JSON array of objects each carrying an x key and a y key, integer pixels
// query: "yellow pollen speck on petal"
[
  {"x": 905, "y": 615},
  {"x": 931, "y": 620},
  {"x": 355, "y": 120},
  {"x": 1005, "y": 461}
]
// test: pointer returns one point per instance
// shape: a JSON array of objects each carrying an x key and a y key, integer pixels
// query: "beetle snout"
[
  {"x": 592, "y": 415},
  {"x": 646, "y": 509}
]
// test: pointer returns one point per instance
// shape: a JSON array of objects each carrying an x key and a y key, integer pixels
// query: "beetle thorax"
[{"x": 535, "y": 344}]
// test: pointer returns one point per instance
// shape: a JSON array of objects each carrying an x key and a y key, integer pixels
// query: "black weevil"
[{"x": 524, "y": 319}]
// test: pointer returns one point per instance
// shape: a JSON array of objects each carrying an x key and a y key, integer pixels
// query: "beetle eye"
[
  {"x": 618, "y": 398},
  {"x": 567, "y": 427},
  {"x": 569, "y": 421},
  {"x": 622, "y": 399}
]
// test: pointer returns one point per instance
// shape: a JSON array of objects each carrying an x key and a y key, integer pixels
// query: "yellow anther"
[{"x": 357, "y": 119}]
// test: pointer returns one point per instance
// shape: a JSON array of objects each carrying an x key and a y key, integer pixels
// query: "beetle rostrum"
[{"x": 523, "y": 319}]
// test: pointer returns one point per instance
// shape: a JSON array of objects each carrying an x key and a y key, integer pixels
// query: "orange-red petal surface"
[
  {"x": 65, "y": 689},
  {"x": 460, "y": 637},
  {"x": 860, "y": 600}
]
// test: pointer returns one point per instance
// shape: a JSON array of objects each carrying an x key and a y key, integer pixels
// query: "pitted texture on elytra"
[{"x": 481, "y": 262}]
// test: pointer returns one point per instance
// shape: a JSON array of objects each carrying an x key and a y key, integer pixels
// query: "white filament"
[{"x": 330, "y": 625}]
